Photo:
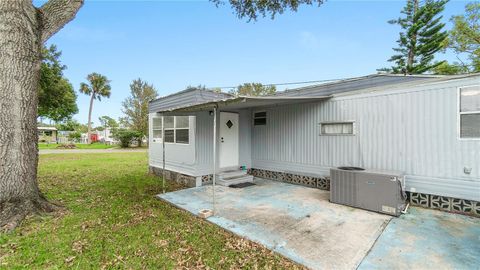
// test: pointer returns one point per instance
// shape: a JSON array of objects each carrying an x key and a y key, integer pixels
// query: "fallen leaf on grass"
[
  {"x": 69, "y": 260},
  {"x": 78, "y": 246},
  {"x": 161, "y": 243}
]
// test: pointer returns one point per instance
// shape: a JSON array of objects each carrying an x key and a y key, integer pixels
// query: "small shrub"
[
  {"x": 126, "y": 137},
  {"x": 74, "y": 136}
]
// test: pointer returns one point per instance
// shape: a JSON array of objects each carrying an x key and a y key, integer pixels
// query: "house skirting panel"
[
  {"x": 443, "y": 203},
  {"x": 183, "y": 179},
  {"x": 309, "y": 181}
]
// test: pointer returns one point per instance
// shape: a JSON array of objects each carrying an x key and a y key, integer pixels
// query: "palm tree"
[{"x": 98, "y": 87}]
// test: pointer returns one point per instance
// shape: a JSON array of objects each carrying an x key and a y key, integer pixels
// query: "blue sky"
[{"x": 173, "y": 44}]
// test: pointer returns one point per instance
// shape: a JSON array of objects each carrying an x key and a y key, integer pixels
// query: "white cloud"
[{"x": 308, "y": 40}]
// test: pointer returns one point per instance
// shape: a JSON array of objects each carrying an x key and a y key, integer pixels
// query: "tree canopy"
[
  {"x": 422, "y": 36},
  {"x": 465, "y": 36},
  {"x": 254, "y": 89},
  {"x": 56, "y": 96},
  {"x": 107, "y": 121},
  {"x": 253, "y": 9},
  {"x": 98, "y": 86},
  {"x": 135, "y": 107}
]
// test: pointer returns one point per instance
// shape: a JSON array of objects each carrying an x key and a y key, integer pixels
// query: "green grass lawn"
[
  {"x": 113, "y": 220},
  {"x": 79, "y": 146}
]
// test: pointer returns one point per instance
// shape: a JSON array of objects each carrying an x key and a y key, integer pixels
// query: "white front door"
[{"x": 228, "y": 140}]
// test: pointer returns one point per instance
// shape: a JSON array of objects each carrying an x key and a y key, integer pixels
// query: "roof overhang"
[{"x": 244, "y": 102}]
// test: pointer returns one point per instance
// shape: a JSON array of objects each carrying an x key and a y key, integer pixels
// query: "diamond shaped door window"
[{"x": 229, "y": 124}]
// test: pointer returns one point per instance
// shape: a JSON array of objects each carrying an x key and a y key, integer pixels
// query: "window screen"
[
  {"x": 470, "y": 112},
  {"x": 470, "y": 99},
  {"x": 169, "y": 120},
  {"x": 169, "y": 135},
  {"x": 181, "y": 136},
  {"x": 337, "y": 128},
  {"x": 470, "y": 125},
  {"x": 260, "y": 119},
  {"x": 156, "y": 128},
  {"x": 181, "y": 122}
]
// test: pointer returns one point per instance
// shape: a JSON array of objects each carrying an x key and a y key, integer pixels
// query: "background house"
[{"x": 47, "y": 134}]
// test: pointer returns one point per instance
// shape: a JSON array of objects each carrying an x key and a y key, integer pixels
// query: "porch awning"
[{"x": 244, "y": 102}]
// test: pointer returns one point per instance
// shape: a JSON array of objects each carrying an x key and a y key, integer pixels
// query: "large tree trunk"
[
  {"x": 23, "y": 29},
  {"x": 89, "y": 124}
]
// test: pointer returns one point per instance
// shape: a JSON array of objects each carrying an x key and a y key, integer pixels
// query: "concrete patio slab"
[
  {"x": 298, "y": 222},
  {"x": 427, "y": 239}
]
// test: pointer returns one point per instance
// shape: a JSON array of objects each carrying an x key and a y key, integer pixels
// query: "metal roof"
[
  {"x": 190, "y": 97},
  {"x": 243, "y": 102},
  {"x": 198, "y": 99},
  {"x": 358, "y": 83}
]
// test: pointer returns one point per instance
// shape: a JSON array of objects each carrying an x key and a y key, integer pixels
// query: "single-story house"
[
  {"x": 426, "y": 126},
  {"x": 47, "y": 134}
]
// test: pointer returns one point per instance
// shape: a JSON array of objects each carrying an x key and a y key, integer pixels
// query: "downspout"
[
  {"x": 163, "y": 154},
  {"x": 214, "y": 154}
]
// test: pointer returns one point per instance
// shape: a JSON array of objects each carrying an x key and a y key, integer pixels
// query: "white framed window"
[
  {"x": 469, "y": 112},
  {"x": 337, "y": 128},
  {"x": 157, "y": 125},
  {"x": 177, "y": 129},
  {"x": 182, "y": 129},
  {"x": 260, "y": 118}
]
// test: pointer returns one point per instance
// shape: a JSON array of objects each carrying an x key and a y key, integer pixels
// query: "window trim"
[
  {"x": 354, "y": 128},
  {"x": 460, "y": 113},
  {"x": 263, "y": 117}
]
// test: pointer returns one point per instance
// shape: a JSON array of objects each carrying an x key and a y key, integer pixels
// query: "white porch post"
[
  {"x": 163, "y": 154},
  {"x": 214, "y": 154}
]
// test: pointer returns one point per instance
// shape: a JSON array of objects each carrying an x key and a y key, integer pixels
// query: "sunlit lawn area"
[
  {"x": 78, "y": 146},
  {"x": 113, "y": 220}
]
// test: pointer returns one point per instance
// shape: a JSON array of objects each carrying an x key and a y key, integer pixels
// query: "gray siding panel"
[{"x": 414, "y": 132}]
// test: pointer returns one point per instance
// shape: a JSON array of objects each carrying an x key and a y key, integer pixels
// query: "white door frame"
[{"x": 228, "y": 141}]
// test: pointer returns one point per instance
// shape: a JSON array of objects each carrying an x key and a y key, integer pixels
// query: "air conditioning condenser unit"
[{"x": 374, "y": 190}]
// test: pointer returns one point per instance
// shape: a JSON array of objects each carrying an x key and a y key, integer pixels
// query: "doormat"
[{"x": 242, "y": 185}]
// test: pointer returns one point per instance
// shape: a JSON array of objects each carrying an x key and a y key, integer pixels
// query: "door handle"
[{"x": 221, "y": 139}]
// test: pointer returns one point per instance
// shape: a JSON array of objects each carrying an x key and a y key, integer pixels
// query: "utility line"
[{"x": 285, "y": 83}]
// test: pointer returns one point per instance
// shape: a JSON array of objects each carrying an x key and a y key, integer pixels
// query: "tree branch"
[{"x": 56, "y": 13}]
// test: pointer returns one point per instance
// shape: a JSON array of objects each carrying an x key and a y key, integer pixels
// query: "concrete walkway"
[
  {"x": 297, "y": 222},
  {"x": 301, "y": 224},
  {"x": 90, "y": 151},
  {"x": 427, "y": 239}
]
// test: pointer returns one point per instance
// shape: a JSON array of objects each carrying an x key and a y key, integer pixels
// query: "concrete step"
[
  {"x": 233, "y": 181},
  {"x": 231, "y": 174}
]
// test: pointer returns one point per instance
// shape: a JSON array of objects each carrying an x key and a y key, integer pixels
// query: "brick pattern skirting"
[
  {"x": 183, "y": 179},
  {"x": 461, "y": 206},
  {"x": 207, "y": 179},
  {"x": 309, "y": 181}
]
